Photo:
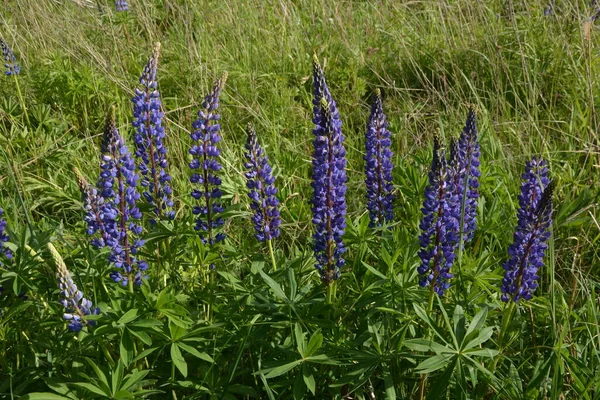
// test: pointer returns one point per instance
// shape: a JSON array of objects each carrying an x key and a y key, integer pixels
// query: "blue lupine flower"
[
  {"x": 93, "y": 205},
  {"x": 117, "y": 185},
  {"x": 329, "y": 181},
  {"x": 549, "y": 10},
  {"x": 439, "y": 226},
  {"x": 4, "y": 251},
  {"x": 121, "y": 5},
  {"x": 262, "y": 192},
  {"x": 149, "y": 141},
  {"x": 464, "y": 163},
  {"x": 77, "y": 307},
  {"x": 205, "y": 158},
  {"x": 378, "y": 166},
  {"x": 10, "y": 61},
  {"x": 526, "y": 254}
]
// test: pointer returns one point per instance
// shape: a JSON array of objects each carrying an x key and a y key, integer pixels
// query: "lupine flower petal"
[
  {"x": 439, "y": 226},
  {"x": 260, "y": 181},
  {"x": 378, "y": 166},
  {"x": 10, "y": 61},
  {"x": 205, "y": 158},
  {"x": 121, "y": 5},
  {"x": 329, "y": 180},
  {"x": 4, "y": 251},
  {"x": 526, "y": 254}
]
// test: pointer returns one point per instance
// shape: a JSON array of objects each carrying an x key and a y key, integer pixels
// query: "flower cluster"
[
  {"x": 378, "y": 166},
  {"x": 149, "y": 140},
  {"x": 93, "y": 205},
  {"x": 121, "y": 5},
  {"x": 117, "y": 185},
  {"x": 5, "y": 251},
  {"x": 10, "y": 61},
  {"x": 76, "y": 306},
  {"x": 262, "y": 189},
  {"x": 464, "y": 163},
  {"x": 439, "y": 226},
  {"x": 329, "y": 180},
  {"x": 526, "y": 254},
  {"x": 205, "y": 159}
]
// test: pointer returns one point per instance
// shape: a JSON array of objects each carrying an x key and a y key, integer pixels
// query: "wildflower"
[
  {"x": 94, "y": 206},
  {"x": 205, "y": 158},
  {"x": 262, "y": 189},
  {"x": 464, "y": 163},
  {"x": 549, "y": 10},
  {"x": 5, "y": 251},
  {"x": 10, "y": 61},
  {"x": 329, "y": 181},
  {"x": 76, "y": 306},
  {"x": 439, "y": 226},
  {"x": 378, "y": 166},
  {"x": 526, "y": 254},
  {"x": 149, "y": 140},
  {"x": 121, "y": 5},
  {"x": 119, "y": 210}
]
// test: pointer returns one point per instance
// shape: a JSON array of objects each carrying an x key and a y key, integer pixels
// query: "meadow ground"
[{"x": 246, "y": 329}]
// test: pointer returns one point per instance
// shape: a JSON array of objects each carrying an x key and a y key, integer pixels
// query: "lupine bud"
[
  {"x": 121, "y": 5},
  {"x": 117, "y": 185},
  {"x": 77, "y": 307},
  {"x": 378, "y": 166},
  {"x": 205, "y": 159},
  {"x": 329, "y": 181},
  {"x": 149, "y": 141},
  {"x": 10, "y": 61},
  {"x": 439, "y": 226},
  {"x": 261, "y": 183},
  {"x": 526, "y": 254}
]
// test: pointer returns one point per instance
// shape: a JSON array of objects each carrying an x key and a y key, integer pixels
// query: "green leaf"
[
  {"x": 282, "y": 369},
  {"x": 300, "y": 340},
  {"x": 101, "y": 376},
  {"x": 126, "y": 348},
  {"x": 477, "y": 322},
  {"x": 143, "y": 336},
  {"x": 483, "y": 337},
  {"x": 390, "y": 391},
  {"x": 43, "y": 396},
  {"x": 91, "y": 388},
  {"x": 374, "y": 271},
  {"x": 314, "y": 344},
  {"x": 274, "y": 286},
  {"x": 426, "y": 345},
  {"x": 420, "y": 311},
  {"x": 439, "y": 387},
  {"x": 309, "y": 379},
  {"x": 128, "y": 316},
  {"x": 133, "y": 379},
  {"x": 195, "y": 353},
  {"x": 178, "y": 359},
  {"x": 117, "y": 377},
  {"x": 434, "y": 363}
]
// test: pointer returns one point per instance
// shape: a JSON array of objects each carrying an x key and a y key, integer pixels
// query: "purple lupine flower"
[
  {"x": 77, "y": 307},
  {"x": 10, "y": 61},
  {"x": 262, "y": 192},
  {"x": 526, "y": 254},
  {"x": 329, "y": 180},
  {"x": 94, "y": 207},
  {"x": 205, "y": 158},
  {"x": 149, "y": 141},
  {"x": 464, "y": 163},
  {"x": 120, "y": 212},
  {"x": 121, "y": 5},
  {"x": 378, "y": 166},
  {"x": 439, "y": 226},
  {"x": 549, "y": 10},
  {"x": 4, "y": 251}
]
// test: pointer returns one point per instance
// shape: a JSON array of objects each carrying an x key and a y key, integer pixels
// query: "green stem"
[
  {"x": 22, "y": 100},
  {"x": 506, "y": 319},
  {"x": 272, "y": 253},
  {"x": 331, "y": 289}
]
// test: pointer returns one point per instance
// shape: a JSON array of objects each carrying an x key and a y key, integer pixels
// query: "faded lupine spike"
[
  {"x": 526, "y": 254},
  {"x": 464, "y": 165},
  {"x": 119, "y": 213},
  {"x": 205, "y": 159},
  {"x": 261, "y": 183},
  {"x": 77, "y": 307},
  {"x": 378, "y": 166},
  {"x": 10, "y": 61},
  {"x": 329, "y": 181},
  {"x": 121, "y": 5},
  {"x": 149, "y": 140},
  {"x": 439, "y": 226}
]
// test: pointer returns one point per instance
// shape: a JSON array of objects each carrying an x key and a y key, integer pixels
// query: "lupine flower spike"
[
  {"x": 378, "y": 166},
  {"x": 4, "y": 251},
  {"x": 120, "y": 210},
  {"x": 439, "y": 226},
  {"x": 149, "y": 141},
  {"x": 94, "y": 207},
  {"x": 329, "y": 181},
  {"x": 121, "y": 5},
  {"x": 10, "y": 61},
  {"x": 464, "y": 163},
  {"x": 205, "y": 166},
  {"x": 77, "y": 307},
  {"x": 526, "y": 254},
  {"x": 260, "y": 181}
]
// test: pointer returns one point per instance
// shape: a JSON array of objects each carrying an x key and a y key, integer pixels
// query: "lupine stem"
[
  {"x": 22, "y": 100},
  {"x": 272, "y": 253}
]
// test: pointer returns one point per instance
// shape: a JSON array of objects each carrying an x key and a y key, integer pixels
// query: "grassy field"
[{"x": 244, "y": 329}]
